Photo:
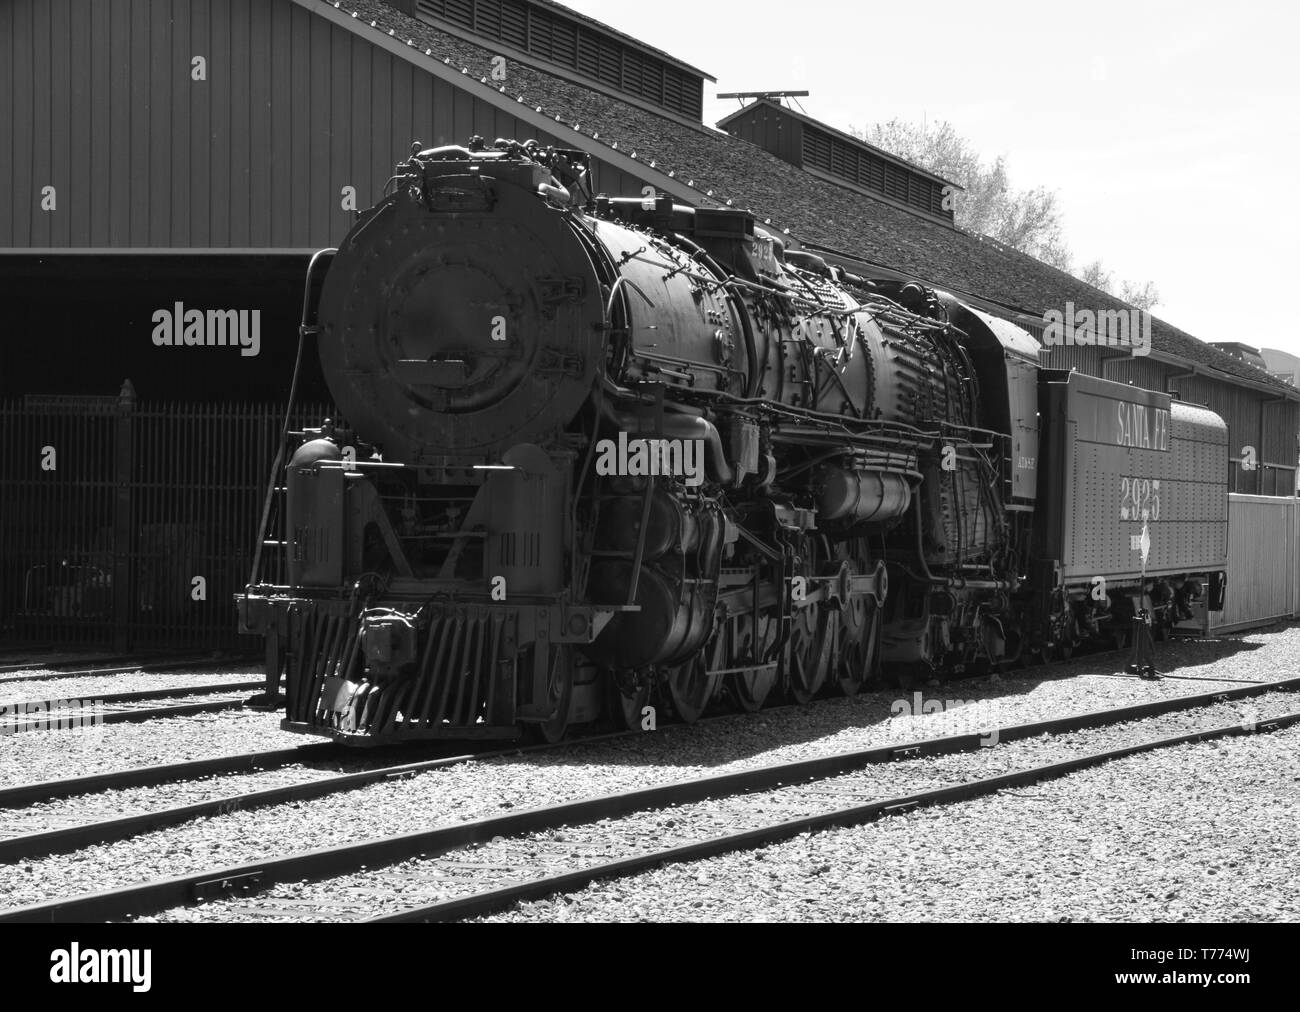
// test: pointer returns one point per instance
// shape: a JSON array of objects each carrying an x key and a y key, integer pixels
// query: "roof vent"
[{"x": 839, "y": 157}]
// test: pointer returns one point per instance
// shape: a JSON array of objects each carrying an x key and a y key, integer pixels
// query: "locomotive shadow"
[
  {"x": 1186, "y": 658},
  {"x": 781, "y": 732}
]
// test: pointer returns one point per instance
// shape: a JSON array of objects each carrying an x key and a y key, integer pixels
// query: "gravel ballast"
[
  {"x": 388, "y": 890},
  {"x": 1201, "y": 832},
  {"x": 477, "y": 789},
  {"x": 50, "y": 755}
]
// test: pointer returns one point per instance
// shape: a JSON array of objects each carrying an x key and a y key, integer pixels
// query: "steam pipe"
[
  {"x": 957, "y": 582},
  {"x": 678, "y": 427},
  {"x": 556, "y": 193}
]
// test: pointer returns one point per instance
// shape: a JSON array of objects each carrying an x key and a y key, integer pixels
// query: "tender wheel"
[{"x": 751, "y": 688}]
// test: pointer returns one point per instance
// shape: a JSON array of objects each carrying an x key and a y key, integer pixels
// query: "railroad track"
[
  {"x": 118, "y": 708},
  {"x": 151, "y": 897},
  {"x": 499, "y": 898},
  {"x": 53, "y": 672},
  {"x": 41, "y": 661},
  {"x": 65, "y": 837},
  {"x": 152, "y": 776},
  {"x": 246, "y": 762},
  {"x": 164, "y": 773},
  {"x": 49, "y": 841}
]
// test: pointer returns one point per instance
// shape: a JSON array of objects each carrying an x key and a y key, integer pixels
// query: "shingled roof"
[
  {"x": 722, "y": 169},
  {"x": 569, "y": 12}
]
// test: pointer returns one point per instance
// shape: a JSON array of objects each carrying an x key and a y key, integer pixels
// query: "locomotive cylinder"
[{"x": 858, "y": 496}]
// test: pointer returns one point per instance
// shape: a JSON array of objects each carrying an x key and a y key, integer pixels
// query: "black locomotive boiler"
[{"x": 604, "y": 454}]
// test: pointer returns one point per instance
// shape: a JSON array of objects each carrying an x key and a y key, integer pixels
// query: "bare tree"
[
  {"x": 1144, "y": 296},
  {"x": 1139, "y": 296},
  {"x": 1025, "y": 220},
  {"x": 1096, "y": 275}
]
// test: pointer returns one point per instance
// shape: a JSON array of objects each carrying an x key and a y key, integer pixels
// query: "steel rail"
[
  {"x": 54, "y": 718},
  {"x": 72, "y": 837},
  {"x": 153, "y": 776},
  {"x": 109, "y": 659},
  {"x": 145, "y": 694},
  {"x": 183, "y": 664},
  {"x": 493, "y": 900},
  {"x": 151, "y": 897},
  {"x": 67, "y": 838}
]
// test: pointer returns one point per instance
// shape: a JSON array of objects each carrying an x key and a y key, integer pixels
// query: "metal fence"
[
  {"x": 1263, "y": 563},
  {"x": 131, "y": 524},
  {"x": 127, "y": 523}
]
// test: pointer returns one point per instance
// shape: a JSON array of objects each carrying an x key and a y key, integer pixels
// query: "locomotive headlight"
[{"x": 387, "y": 640}]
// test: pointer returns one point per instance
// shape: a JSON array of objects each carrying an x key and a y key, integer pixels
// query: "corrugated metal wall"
[
  {"x": 1257, "y": 421},
  {"x": 1140, "y": 371},
  {"x": 1263, "y": 556},
  {"x": 98, "y": 98},
  {"x": 1063, "y": 356}
]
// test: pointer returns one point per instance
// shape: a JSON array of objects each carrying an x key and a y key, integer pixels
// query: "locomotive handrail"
[
  {"x": 304, "y": 328},
  {"x": 613, "y": 291},
  {"x": 351, "y": 465}
]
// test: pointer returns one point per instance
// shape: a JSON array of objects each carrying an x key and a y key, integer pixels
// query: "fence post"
[
  {"x": 122, "y": 525},
  {"x": 1293, "y": 556}
]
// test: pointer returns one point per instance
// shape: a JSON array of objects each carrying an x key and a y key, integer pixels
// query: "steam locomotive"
[{"x": 607, "y": 454}]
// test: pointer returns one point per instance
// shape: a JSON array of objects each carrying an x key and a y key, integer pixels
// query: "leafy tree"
[
  {"x": 1140, "y": 296},
  {"x": 1025, "y": 220}
]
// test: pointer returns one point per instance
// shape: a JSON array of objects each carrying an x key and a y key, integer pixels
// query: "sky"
[{"x": 1170, "y": 131}]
